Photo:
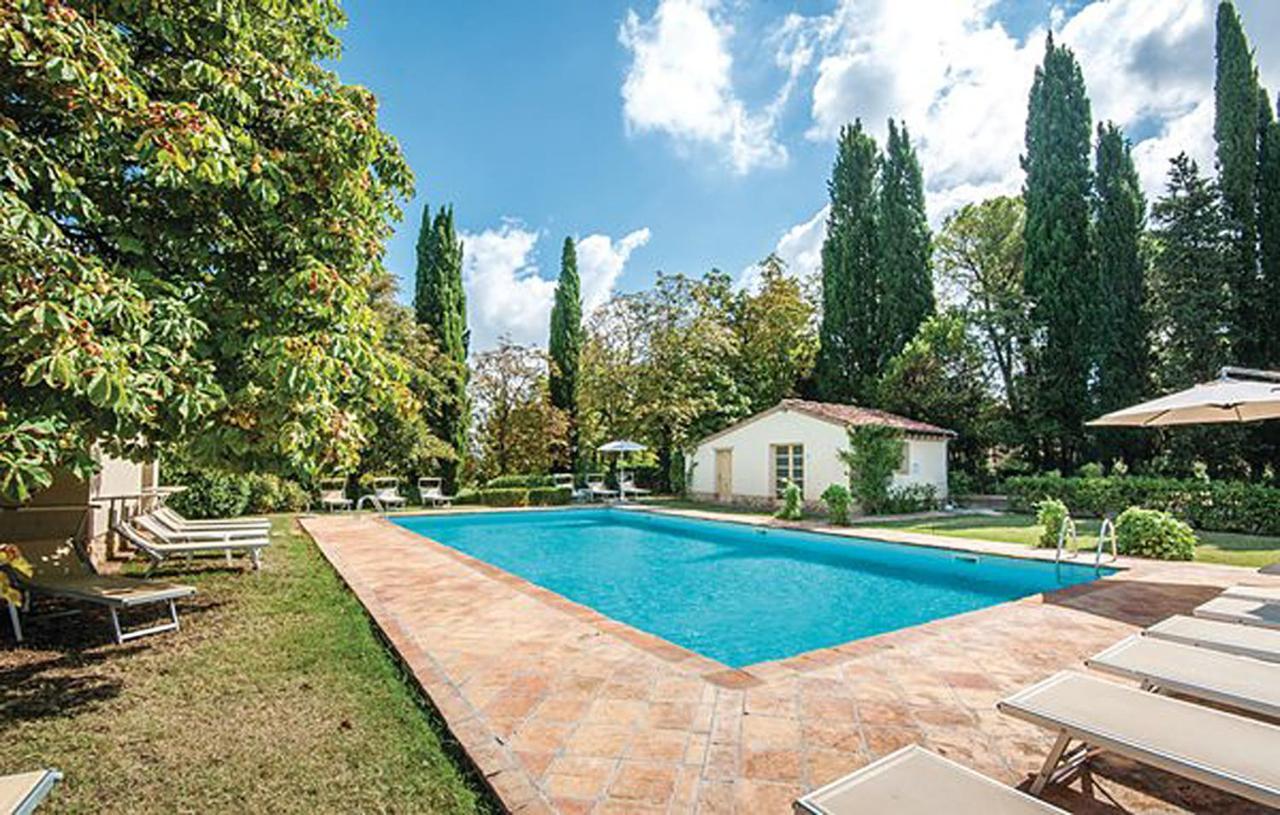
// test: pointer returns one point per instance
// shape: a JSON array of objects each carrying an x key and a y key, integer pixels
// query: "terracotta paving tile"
[{"x": 564, "y": 710}]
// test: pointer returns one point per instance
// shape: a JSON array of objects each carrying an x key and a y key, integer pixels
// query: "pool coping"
[{"x": 708, "y": 669}]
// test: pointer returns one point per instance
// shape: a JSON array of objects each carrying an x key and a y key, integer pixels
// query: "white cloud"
[
  {"x": 507, "y": 295},
  {"x": 680, "y": 83},
  {"x": 600, "y": 262}
]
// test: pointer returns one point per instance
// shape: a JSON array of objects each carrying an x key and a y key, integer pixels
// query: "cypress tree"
[
  {"x": 1235, "y": 131},
  {"x": 906, "y": 282},
  {"x": 440, "y": 305},
  {"x": 565, "y": 345},
  {"x": 1059, "y": 271},
  {"x": 1269, "y": 237},
  {"x": 848, "y": 353},
  {"x": 1122, "y": 341}
]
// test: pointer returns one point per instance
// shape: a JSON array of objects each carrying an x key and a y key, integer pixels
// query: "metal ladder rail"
[
  {"x": 1068, "y": 524},
  {"x": 1108, "y": 525}
]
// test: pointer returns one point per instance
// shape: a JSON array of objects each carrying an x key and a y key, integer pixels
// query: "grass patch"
[{"x": 277, "y": 695}]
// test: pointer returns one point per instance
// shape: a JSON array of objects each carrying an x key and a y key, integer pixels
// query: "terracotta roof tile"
[{"x": 854, "y": 416}]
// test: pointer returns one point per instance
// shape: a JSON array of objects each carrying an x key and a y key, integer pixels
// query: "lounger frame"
[{"x": 159, "y": 553}]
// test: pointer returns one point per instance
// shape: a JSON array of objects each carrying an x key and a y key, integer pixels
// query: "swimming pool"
[{"x": 735, "y": 593}]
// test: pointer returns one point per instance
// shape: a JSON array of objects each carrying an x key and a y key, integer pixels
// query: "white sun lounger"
[
  {"x": 166, "y": 530},
  {"x": 177, "y": 522},
  {"x": 596, "y": 487},
  {"x": 164, "y": 547},
  {"x": 1229, "y": 638},
  {"x": 1265, "y": 594},
  {"x": 58, "y": 570},
  {"x": 1231, "y": 753},
  {"x": 431, "y": 490},
  {"x": 914, "y": 780},
  {"x": 1240, "y": 610},
  {"x": 21, "y": 793},
  {"x": 333, "y": 494},
  {"x": 386, "y": 494},
  {"x": 1243, "y": 683}
]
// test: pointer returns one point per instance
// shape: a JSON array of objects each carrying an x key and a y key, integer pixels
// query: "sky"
[{"x": 686, "y": 135}]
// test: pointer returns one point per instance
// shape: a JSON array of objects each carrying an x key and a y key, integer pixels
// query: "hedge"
[
  {"x": 516, "y": 496},
  {"x": 1222, "y": 506},
  {"x": 217, "y": 494},
  {"x": 526, "y": 480}
]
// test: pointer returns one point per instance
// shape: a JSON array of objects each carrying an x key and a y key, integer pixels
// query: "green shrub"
[
  {"x": 211, "y": 494},
  {"x": 792, "y": 508},
  {"x": 1051, "y": 514},
  {"x": 517, "y": 497},
  {"x": 838, "y": 500},
  {"x": 873, "y": 455},
  {"x": 960, "y": 484},
  {"x": 1154, "y": 534},
  {"x": 909, "y": 498},
  {"x": 466, "y": 496},
  {"x": 1224, "y": 506},
  {"x": 550, "y": 496},
  {"x": 1091, "y": 469},
  {"x": 526, "y": 480},
  {"x": 271, "y": 493}
]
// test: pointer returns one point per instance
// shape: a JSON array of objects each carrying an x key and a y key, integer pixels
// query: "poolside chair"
[
  {"x": 1264, "y": 594},
  {"x": 430, "y": 489},
  {"x": 58, "y": 570},
  {"x": 596, "y": 487},
  {"x": 1232, "y": 753},
  {"x": 215, "y": 533},
  {"x": 627, "y": 484},
  {"x": 1228, "y": 638},
  {"x": 333, "y": 494},
  {"x": 386, "y": 493},
  {"x": 1240, "y": 610},
  {"x": 567, "y": 481},
  {"x": 914, "y": 780},
  {"x": 163, "y": 546},
  {"x": 1240, "y": 682},
  {"x": 176, "y": 522},
  {"x": 21, "y": 793}
]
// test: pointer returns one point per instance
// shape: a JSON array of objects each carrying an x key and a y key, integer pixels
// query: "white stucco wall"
[{"x": 752, "y": 444}]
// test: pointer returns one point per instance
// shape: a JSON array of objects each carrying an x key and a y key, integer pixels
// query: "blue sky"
[{"x": 679, "y": 135}]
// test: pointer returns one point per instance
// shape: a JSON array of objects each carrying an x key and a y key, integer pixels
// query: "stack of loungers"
[{"x": 1227, "y": 655}]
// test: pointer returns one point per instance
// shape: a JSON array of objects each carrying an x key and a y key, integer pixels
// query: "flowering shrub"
[{"x": 1155, "y": 534}]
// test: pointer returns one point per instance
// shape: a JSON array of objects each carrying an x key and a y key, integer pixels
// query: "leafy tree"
[
  {"x": 874, "y": 453},
  {"x": 849, "y": 353},
  {"x": 1269, "y": 239},
  {"x": 777, "y": 333},
  {"x": 190, "y": 212},
  {"x": 939, "y": 378},
  {"x": 518, "y": 430},
  {"x": 979, "y": 255},
  {"x": 440, "y": 306},
  {"x": 1123, "y": 344},
  {"x": 1059, "y": 277},
  {"x": 1235, "y": 131},
  {"x": 566, "y": 345},
  {"x": 906, "y": 285}
]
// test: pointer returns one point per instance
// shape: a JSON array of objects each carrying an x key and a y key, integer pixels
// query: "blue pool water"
[{"x": 735, "y": 593}]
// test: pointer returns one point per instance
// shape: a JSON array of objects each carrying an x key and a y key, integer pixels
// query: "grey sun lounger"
[
  {"x": 1241, "y": 682},
  {"x": 164, "y": 547},
  {"x": 1229, "y": 638},
  {"x": 59, "y": 571},
  {"x": 1240, "y": 610},
  {"x": 1265, "y": 594},
  {"x": 914, "y": 780},
  {"x": 21, "y": 793},
  {"x": 1231, "y": 753}
]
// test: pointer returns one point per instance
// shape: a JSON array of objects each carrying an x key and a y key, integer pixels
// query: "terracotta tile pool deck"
[{"x": 564, "y": 710}]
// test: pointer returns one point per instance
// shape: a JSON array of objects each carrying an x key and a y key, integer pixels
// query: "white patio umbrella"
[
  {"x": 620, "y": 447},
  {"x": 1238, "y": 395}
]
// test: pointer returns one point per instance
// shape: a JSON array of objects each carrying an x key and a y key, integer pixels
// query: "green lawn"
[
  {"x": 1215, "y": 547},
  {"x": 276, "y": 696}
]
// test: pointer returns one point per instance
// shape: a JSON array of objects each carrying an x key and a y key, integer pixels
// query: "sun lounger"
[
  {"x": 430, "y": 490},
  {"x": 21, "y": 793},
  {"x": 58, "y": 570},
  {"x": 1232, "y": 753},
  {"x": 164, "y": 547},
  {"x": 596, "y": 487},
  {"x": 1229, "y": 638},
  {"x": 1265, "y": 594},
  {"x": 1240, "y": 610},
  {"x": 168, "y": 533},
  {"x": 567, "y": 481},
  {"x": 178, "y": 523},
  {"x": 1241, "y": 682},
  {"x": 914, "y": 780},
  {"x": 333, "y": 494},
  {"x": 628, "y": 485},
  {"x": 386, "y": 493}
]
